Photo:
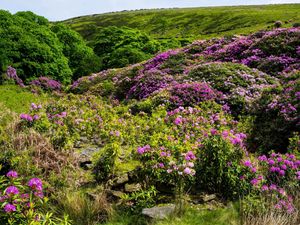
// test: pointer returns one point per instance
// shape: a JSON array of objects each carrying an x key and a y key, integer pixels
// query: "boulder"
[
  {"x": 159, "y": 212},
  {"x": 133, "y": 187}
]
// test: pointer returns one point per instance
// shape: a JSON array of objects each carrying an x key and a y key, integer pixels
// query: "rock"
[
  {"x": 121, "y": 179},
  {"x": 200, "y": 199},
  {"x": 132, "y": 187},
  {"x": 85, "y": 156},
  {"x": 116, "y": 194},
  {"x": 207, "y": 198},
  {"x": 159, "y": 212}
]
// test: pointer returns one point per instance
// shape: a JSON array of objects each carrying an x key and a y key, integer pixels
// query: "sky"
[{"x": 55, "y": 10}]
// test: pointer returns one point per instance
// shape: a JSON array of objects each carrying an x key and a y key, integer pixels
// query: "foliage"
[
  {"x": 81, "y": 58},
  {"x": 23, "y": 202},
  {"x": 31, "y": 47},
  {"x": 119, "y": 47}
]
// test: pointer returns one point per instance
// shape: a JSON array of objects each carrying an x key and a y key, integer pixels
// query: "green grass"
[
  {"x": 193, "y": 216},
  {"x": 195, "y": 23},
  {"x": 17, "y": 99}
]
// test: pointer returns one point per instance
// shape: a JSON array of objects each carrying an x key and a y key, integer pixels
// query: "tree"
[
  {"x": 82, "y": 59},
  {"x": 121, "y": 46}
]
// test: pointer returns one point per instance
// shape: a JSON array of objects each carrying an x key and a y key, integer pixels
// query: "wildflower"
[
  {"x": 281, "y": 172},
  {"x": 265, "y": 188},
  {"x": 247, "y": 163},
  {"x": 178, "y": 121},
  {"x": 12, "y": 190},
  {"x": 35, "y": 184},
  {"x": 187, "y": 170},
  {"x": 254, "y": 182},
  {"x": 262, "y": 158},
  {"x": 12, "y": 174},
  {"x": 273, "y": 187},
  {"x": 190, "y": 156},
  {"x": 213, "y": 131},
  {"x": 8, "y": 208}
]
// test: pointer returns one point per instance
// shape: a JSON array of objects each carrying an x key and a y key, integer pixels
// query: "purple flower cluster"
[
  {"x": 274, "y": 176},
  {"x": 15, "y": 196},
  {"x": 12, "y": 74},
  {"x": 149, "y": 82},
  {"x": 46, "y": 83},
  {"x": 188, "y": 94},
  {"x": 159, "y": 59},
  {"x": 33, "y": 116}
]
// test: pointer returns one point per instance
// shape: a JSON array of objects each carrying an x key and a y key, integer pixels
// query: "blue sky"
[{"x": 64, "y": 9}]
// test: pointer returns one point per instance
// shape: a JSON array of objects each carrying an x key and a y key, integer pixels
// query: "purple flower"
[
  {"x": 187, "y": 171},
  {"x": 264, "y": 188},
  {"x": 213, "y": 131},
  {"x": 254, "y": 181},
  {"x": 12, "y": 174},
  {"x": 8, "y": 208},
  {"x": 273, "y": 187},
  {"x": 281, "y": 172},
  {"x": 247, "y": 163},
  {"x": 178, "y": 121},
  {"x": 12, "y": 190},
  {"x": 35, "y": 184},
  {"x": 262, "y": 158},
  {"x": 190, "y": 156}
]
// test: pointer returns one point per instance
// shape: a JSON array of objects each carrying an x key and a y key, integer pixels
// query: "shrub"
[{"x": 23, "y": 201}]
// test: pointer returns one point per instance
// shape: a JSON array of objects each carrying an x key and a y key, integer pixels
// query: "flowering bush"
[
  {"x": 240, "y": 84},
  {"x": 277, "y": 116},
  {"x": 276, "y": 178},
  {"x": 12, "y": 74},
  {"x": 23, "y": 202},
  {"x": 46, "y": 84}
]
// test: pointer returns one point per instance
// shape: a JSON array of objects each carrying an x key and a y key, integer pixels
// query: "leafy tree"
[
  {"x": 82, "y": 59},
  {"x": 31, "y": 47},
  {"x": 121, "y": 46}
]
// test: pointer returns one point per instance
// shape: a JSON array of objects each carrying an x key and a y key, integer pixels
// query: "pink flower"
[
  {"x": 8, "y": 208},
  {"x": 187, "y": 170},
  {"x": 273, "y": 187},
  {"x": 213, "y": 131},
  {"x": 254, "y": 182},
  {"x": 12, "y": 174},
  {"x": 35, "y": 184},
  {"x": 189, "y": 156},
  {"x": 12, "y": 190},
  {"x": 265, "y": 188},
  {"x": 178, "y": 121},
  {"x": 247, "y": 163}
]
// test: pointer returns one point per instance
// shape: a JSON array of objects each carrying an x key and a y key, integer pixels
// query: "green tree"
[
  {"x": 121, "y": 46},
  {"x": 82, "y": 59}
]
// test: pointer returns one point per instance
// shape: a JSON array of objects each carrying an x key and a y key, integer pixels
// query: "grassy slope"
[
  {"x": 191, "y": 22},
  {"x": 17, "y": 99}
]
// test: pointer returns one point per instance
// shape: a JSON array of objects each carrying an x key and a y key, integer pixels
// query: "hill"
[{"x": 195, "y": 23}]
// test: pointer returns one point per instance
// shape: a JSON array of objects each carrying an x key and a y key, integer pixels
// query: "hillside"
[{"x": 191, "y": 22}]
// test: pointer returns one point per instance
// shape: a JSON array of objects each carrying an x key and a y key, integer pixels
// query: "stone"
[
  {"x": 132, "y": 187},
  {"x": 121, "y": 179},
  {"x": 207, "y": 198},
  {"x": 159, "y": 212}
]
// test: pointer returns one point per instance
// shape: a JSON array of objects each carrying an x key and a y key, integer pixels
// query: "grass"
[
  {"x": 193, "y": 216},
  {"x": 195, "y": 23},
  {"x": 17, "y": 99}
]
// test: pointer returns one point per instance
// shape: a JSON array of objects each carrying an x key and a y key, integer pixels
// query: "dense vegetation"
[
  {"x": 209, "y": 133},
  {"x": 36, "y": 48},
  {"x": 194, "y": 23}
]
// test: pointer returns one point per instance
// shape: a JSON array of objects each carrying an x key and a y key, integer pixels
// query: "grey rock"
[
  {"x": 132, "y": 187},
  {"x": 159, "y": 212},
  {"x": 207, "y": 198},
  {"x": 121, "y": 179}
]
